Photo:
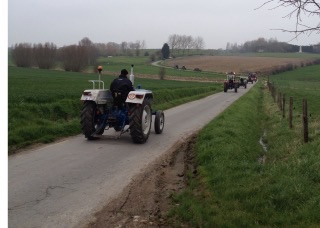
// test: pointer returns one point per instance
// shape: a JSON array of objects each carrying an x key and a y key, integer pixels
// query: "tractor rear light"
[
  {"x": 139, "y": 96},
  {"x": 132, "y": 96},
  {"x": 86, "y": 93}
]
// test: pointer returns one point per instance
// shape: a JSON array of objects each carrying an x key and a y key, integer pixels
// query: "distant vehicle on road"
[
  {"x": 230, "y": 82},
  {"x": 252, "y": 77}
]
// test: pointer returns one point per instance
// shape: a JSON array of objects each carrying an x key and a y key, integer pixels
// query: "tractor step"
[{"x": 112, "y": 119}]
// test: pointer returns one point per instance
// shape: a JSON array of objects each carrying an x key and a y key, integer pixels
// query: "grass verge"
[{"x": 238, "y": 184}]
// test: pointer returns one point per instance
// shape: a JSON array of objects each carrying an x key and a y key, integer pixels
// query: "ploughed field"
[{"x": 237, "y": 64}]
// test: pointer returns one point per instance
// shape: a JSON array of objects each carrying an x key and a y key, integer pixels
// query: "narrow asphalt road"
[{"x": 64, "y": 183}]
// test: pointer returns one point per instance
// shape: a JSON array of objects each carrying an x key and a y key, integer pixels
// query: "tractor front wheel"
[
  {"x": 159, "y": 122},
  {"x": 90, "y": 124},
  {"x": 140, "y": 117}
]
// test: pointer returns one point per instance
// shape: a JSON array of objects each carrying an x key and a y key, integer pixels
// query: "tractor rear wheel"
[
  {"x": 225, "y": 88},
  {"x": 236, "y": 88},
  {"x": 159, "y": 122},
  {"x": 140, "y": 117},
  {"x": 89, "y": 123}
]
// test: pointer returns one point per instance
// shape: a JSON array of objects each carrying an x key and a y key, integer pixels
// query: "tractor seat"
[{"x": 118, "y": 98}]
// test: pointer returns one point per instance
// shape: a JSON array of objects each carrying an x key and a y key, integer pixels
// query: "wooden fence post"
[
  {"x": 305, "y": 120},
  {"x": 274, "y": 93},
  {"x": 283, "y": 105},
  {"x": 290, "y": 112},
  {"x": 280, "y": 101}
]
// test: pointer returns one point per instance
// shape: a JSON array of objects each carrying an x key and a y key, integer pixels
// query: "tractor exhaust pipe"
[
  {"x": 99, "y": 70},
  {"x": 132, "y": 75}
]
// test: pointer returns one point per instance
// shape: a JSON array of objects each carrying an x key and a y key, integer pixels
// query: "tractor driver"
[{"x": 120, "y": 87}]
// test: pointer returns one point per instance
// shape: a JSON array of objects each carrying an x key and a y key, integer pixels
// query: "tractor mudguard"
[
  {"x": 99, "y": 96},
  {"x": 137, "y": 96}
]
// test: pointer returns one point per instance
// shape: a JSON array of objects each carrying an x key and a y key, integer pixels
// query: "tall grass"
[
  {"x": 45, "y": 105},
  {"x": 238, "y": 184}
]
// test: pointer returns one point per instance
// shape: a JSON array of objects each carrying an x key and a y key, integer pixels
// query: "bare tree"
[
  {"x": 73, "y": 57},
  {"x": 112, "y": 49},
  {"x": 143, "y": 44},
  {"x": 131, "y": 48},
  {"x": 298, "y": 10},
  {"x": 179, "y": 42},
  {"x": 184, "y": 43},
  {"x": 228, "y": 47},
  {"x": 22, "y": 54},
  {"x": 198, "y": 43},
  {"x": 189, "y": 42},
  {"x": 173, "y": 41},
  {"x": 124, "y": 47},
  {"x": 45, "y": 55},
  {"x": 101, "y": 48},
  {"x": 137, "y": 47},
  {"x": 90, "y": 50}
]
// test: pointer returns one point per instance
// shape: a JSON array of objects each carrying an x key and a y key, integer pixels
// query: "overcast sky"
[{"x": 65, "y": 22}]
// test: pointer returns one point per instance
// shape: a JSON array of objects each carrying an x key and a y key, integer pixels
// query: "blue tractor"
[{"x": 100, "y": 111}]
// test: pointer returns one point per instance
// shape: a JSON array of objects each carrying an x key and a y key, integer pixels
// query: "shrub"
[
  {"x": 152, "y": 57},
  {"x": 162, "y": 73}
]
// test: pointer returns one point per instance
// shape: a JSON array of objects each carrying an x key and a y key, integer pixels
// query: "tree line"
[
  {"x": 271, "y": 45},
  {"x": 77, "y": 57},
  {"x": 72, "y": 57}
]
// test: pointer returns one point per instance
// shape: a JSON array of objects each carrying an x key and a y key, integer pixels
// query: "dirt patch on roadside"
[{"x": 146, "y": 201}]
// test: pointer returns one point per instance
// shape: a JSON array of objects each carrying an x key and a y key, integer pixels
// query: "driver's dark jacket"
[{"x": 121, "y": 85}]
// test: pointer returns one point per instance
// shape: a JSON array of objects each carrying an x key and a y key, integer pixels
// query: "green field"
[
  {"x": 45, "y": 105},
  {"x": 237, "y": 183},
  {"x": 301, "y": 83},
  {"x": 143, "y": 66}
]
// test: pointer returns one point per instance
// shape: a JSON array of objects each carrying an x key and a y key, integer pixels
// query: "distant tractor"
[
  {"x": 231, "y": 82},
  {"x": 101, "y": 111},
  {"x": 242, "y": 81},
  {"x": 252, "y": 77}
]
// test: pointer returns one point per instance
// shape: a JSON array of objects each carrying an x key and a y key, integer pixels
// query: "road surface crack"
[{"x": 35, "y": 202}]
